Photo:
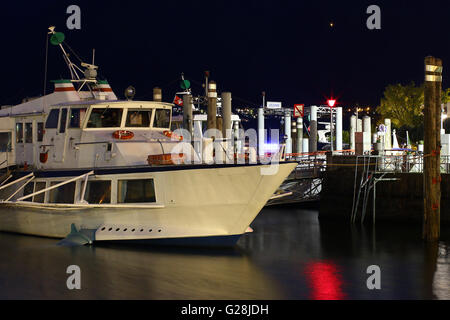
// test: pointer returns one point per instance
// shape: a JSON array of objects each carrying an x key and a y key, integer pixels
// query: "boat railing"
[
  {"x": 83, "y": 176},
  {"x": 16, "y": 181},
  {"x": 412, "y": 162},
  {"x": 20, "y": 188},
  {"x": 7, "y": 176},
  {"x": 2, "y": 164}
]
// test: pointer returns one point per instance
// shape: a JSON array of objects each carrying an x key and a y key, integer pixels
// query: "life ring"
[
  {"x": 172, "y": 135},
  {"x": 123, "y": 134}
]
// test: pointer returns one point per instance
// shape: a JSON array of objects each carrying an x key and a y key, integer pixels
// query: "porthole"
[
  {"x": 109, "y": 229},
  {"x": 117, "y": 229},
  {"x": 159, "y": 230},
  {"x": 150, "y": 230},
  {"x": 132, "y": 230},
  {"x": 125, "y": 229},
  {"x": 142, "y": 230},
  {"x": 103, "y": 228}
]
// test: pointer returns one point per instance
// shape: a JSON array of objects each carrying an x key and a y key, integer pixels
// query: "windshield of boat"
[
  {"x": 105, "y": 118},
  {"x": 138, "y": 118},
  {"x": 162, "y": 118}
]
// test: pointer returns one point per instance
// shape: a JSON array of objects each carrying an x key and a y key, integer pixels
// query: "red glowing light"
[
  {"x": 325, "y": 281},
  {"x": 331, "y": 102}
]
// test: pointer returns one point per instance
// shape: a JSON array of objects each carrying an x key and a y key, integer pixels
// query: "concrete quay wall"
[{"x": 400, "y": 200}]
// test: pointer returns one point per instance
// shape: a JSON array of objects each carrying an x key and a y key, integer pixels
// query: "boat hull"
[{"x": 215, "y": 202}]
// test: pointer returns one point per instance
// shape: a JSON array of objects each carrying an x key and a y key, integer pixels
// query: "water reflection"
[
  {"x": 290, "y": 255},
  {"x": 442, "y": 274},
  {"x": 325, "y": 281},
  {"x": 36, "y": 268}
]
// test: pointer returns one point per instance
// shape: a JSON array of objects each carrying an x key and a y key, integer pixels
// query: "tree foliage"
[{"x": 403, "y": 105}]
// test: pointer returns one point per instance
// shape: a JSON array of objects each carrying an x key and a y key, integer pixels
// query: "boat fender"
[
  {"x": 43, "y": 157},
  {"x": 123, "y": 134},
  {"x": 172, "y": 135}
]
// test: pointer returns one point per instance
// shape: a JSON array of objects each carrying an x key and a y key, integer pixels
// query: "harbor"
[
  {"x": 241, "y": 169},
  {"x": 291, "y": 256}
]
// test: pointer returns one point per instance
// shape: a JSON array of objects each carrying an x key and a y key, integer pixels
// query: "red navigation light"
[{"x": 331, "y": 102}]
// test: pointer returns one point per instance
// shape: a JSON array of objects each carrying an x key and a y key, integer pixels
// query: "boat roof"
[{"x": 101, "y": 102}]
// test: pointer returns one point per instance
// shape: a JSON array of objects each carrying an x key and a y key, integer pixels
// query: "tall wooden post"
[
  {"x": 219, "y": 124},
  {"x": 294, "y": 136},
  {"x": 432, "y": 149},
  {"x": 187, "y": 113},
  {"x": 157, "y": 94},
  {"x": 226, "y": 113},
  {"x": 211, "y": 122}
]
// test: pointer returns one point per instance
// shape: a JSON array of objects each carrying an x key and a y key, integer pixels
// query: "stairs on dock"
[
  {"x": 370, "y": 176},
  {"x": 304, "y": 184}
]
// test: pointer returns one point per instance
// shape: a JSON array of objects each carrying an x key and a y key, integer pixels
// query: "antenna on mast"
[
  {"x": 90, "y": 72},
  {"x": 56, "y": 39}
]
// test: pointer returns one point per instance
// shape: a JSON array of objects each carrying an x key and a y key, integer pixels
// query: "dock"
[{"x": 369, "y": 188}]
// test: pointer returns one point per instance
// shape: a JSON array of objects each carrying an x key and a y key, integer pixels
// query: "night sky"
[{"x": 286, "y": 48}]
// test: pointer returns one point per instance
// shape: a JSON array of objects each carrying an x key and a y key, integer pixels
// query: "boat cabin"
[
  {"x": 65, "y": 129},
  {"x": 94, "y": 134}
]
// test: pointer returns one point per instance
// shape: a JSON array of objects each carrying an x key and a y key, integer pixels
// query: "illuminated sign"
[{"x": 273, "y": 105}]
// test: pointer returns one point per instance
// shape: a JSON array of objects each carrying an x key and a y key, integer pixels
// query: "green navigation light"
[
  {"x": 185, "y": 84},
  {"x": 57, "y": 38}
]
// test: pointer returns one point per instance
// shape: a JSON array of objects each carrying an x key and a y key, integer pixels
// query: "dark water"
[{"x": 290, "y": 255}]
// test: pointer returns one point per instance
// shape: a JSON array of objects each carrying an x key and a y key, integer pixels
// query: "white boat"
[{"x": 82, "y": 165}]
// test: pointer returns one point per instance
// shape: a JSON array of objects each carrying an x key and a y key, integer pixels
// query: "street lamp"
[{"x": 331, "y": 103}]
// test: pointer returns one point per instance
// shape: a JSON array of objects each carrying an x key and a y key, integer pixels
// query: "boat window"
[
  {"x": 40, "y": 131},
  {"x": 5, "y": 141},
  {"x": 135, "y": 191},
  {"x": 62, "y": 123},
  {"x": 28, "y": 189},
  {"x": 162, "y": 118},
  {"x": 76, "y": 117},
  {"x": 38, "y": 186},
  {"x": 52, "y": 119},
  {"x": 29, "y": 132},
  {"x": 138, "y": 118},
  {"x": 175, "y": 125},
  {"x": 62, "y": 194},
  {"x": 105, "y": 118},
  {"x": 19, "y": 132},
  {"x": 98, "y": 192}
]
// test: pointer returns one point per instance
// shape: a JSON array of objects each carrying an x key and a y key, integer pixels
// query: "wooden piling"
[
  {"x": 299, "y": 135},
  {"x": 294, "y": 136},
  {"x": 432, "y": 149},
  {"x": 212, "y": 106},
  {"x": 226, "y": 113},
  {"x": 187, "y": 113},
  {"x": 219, "y": 123},
  {"x": 157, "y": 94}
]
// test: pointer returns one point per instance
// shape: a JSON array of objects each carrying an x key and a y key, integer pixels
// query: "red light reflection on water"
[{"x": 325, "y": 281}]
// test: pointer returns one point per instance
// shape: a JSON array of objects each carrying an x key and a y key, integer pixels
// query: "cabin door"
[
  {"x": 5, "y": 149},
  {"x": 28, "y": 145},
  {"x": 61, "y": 138},
  {"x": 19, "y": 143}
]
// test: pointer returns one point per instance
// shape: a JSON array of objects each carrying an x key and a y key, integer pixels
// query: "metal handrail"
[
  {"x": 55, "y": 186},
  {"x": 19, "y": 189},
  {"x": 15, "y": 181}
]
